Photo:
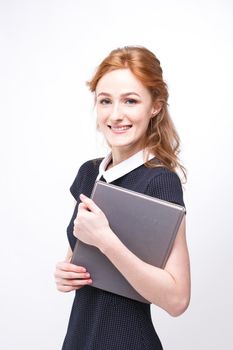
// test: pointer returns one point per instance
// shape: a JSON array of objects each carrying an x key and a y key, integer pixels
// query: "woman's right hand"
[{"x": 70, "y": 277}]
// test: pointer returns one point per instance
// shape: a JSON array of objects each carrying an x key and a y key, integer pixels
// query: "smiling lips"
[{"x": 119, "y": 129}]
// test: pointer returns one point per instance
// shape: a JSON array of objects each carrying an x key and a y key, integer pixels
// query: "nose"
[{"x": 116, "y": 112}]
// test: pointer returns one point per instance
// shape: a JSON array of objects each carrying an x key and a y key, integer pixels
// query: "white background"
[{"x": 48, "y": 50}]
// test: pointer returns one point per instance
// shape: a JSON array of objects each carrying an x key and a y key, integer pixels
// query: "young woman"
[{"x": 131, "y": 103}]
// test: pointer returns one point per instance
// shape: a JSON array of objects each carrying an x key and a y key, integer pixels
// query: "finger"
[
  {"x": 70, "y": 275},
  {"x": 65, "y": 266},
  {"x": 74, "y": 282},
  {"x": 78, "y": 282},
  {"x": 89, "y": 204},
  {"x": 82, "y": 206},
  {"x": 66, "y": 289}
]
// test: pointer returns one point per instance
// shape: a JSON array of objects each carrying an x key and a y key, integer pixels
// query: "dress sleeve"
[
  {"x": 76, "y": 185},
  {"x": 166, "y": 186},
  {"x": 82, "y": 183},
  {"x": 85, "y": 179}
]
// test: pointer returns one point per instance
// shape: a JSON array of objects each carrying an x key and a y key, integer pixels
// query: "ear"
[{"x": 156, "y": 108}]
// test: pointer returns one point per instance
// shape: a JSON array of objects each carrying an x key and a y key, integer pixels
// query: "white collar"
[{"x": 121, "y": 168}]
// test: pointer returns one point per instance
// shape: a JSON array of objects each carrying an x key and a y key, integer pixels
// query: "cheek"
[
  {"x": 99, "y": 117},
  {"x": 102, "y": 114},
  {"x": 142, "y": 117},
  {"x": 101, "y": 121}
]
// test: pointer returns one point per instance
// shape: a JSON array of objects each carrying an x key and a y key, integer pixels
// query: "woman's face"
[{"x": 124, "y": 109}]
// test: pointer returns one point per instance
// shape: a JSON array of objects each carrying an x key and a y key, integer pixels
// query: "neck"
[{"x": 118, "y": 157}]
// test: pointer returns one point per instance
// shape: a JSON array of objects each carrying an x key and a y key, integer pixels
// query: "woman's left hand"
[{"x": 91, "y": 225}]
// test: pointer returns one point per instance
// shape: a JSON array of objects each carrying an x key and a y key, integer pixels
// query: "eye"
[
  {"x": 105, "y": 101},
  {"x": 130, "y": 101}
]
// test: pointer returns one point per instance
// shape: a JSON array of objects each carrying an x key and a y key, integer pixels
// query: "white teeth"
[{"x": 120, "y": 128}]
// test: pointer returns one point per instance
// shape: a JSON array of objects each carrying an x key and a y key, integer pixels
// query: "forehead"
[{"x": 121, "y": 81}]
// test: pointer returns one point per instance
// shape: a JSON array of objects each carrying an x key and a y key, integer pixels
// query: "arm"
[{"x": 168, "y": 288}]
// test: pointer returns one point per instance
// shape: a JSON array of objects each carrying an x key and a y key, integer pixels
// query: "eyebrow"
[{"x": 122, "y": 95}]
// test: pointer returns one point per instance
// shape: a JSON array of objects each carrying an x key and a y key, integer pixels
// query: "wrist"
[{"x": 108, "y": 242}]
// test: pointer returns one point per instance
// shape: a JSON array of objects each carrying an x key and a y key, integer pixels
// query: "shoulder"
[
  {"x": 165, "y": 184},
  {"x": 89, "y": 166},
  {"x": 165, "y": 175},
  {"x": 86, "y": 175}
]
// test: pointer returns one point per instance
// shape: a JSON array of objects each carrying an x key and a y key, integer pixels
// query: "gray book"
[{"x": 147, "y": 226}]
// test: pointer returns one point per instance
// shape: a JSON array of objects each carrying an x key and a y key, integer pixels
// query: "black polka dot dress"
[{"x": 102, "y": 320}]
